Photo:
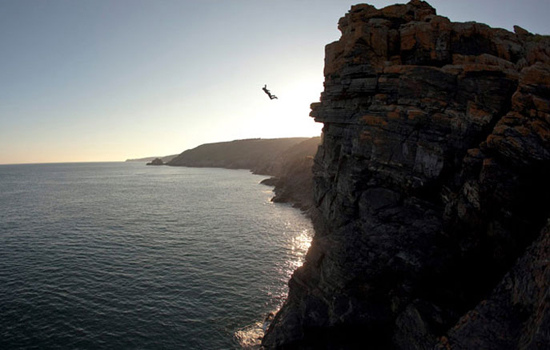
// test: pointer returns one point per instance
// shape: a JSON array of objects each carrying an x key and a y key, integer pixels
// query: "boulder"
[{"x": 156, "y": 161}]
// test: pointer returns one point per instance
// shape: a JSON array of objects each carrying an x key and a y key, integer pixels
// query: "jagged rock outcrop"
[
  {"x": 517, "y": 313},
  {"x": 292, "y": 175},
  {"x": 431, "y": 188},
  {"x": 156, "y": 161}
]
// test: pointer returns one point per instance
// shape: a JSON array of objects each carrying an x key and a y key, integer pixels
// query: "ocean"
[{"x": 128, "y": 256}]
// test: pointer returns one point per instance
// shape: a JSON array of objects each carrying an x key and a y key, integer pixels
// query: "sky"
[{"x": 108, "y": 80}]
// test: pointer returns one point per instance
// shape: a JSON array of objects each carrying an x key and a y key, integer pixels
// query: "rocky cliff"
[
  {"x": 431, "y": 188},
  {"x": 292, "y": 174}
]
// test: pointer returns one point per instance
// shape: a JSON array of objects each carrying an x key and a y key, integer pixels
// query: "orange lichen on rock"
[{"x": 431, "y": 188}]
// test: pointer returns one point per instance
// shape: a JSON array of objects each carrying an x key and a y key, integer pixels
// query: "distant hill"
[
  {"x": 258, "y": 155},
  {"x": 165, "y": 159}
]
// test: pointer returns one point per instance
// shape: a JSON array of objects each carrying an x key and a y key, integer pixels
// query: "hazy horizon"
[{"x": 95, "y": 81}]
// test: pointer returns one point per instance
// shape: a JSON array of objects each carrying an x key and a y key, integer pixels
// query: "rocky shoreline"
[
  {"x": 293, "y": 178},
  {"x": 288, "y": 161},
  {"x": 430, "y": 190}
]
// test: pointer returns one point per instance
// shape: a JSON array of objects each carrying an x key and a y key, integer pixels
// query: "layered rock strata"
[{"x": 431, "y": 188}]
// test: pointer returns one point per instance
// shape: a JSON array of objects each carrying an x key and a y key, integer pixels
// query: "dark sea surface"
[{"x": 125, "y": 256}]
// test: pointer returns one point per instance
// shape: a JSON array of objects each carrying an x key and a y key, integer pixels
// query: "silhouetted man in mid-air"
[{"x": 271, "y": 97}]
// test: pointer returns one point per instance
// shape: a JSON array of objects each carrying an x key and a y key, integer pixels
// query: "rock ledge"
[{"x": 431, "y": 189}]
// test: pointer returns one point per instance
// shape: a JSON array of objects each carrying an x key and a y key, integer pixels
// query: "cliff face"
[
  {"x": 431, "y": 189},
  {"x": 293, "y": 174}
]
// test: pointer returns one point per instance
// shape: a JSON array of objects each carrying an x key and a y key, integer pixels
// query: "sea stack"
[
  {"x": 156, "y": 161},
  {"x": 431, "y": 189}
]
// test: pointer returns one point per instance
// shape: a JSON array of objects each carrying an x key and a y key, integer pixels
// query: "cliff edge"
[{"x": 431, "y": 189}]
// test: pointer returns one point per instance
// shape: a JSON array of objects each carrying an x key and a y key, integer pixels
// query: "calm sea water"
[{"x": 124, "y": 256}]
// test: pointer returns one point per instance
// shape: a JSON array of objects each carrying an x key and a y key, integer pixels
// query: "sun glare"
[
  {"x": 300, "y": 245},
  {"x": 289, "y": 115}
]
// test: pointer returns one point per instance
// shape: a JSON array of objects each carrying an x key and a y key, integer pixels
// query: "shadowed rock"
[
  {"x": 156, "y": 161},
  {"x": 430, "y": 183}
]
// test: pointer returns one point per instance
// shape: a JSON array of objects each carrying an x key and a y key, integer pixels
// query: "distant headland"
[
  {"x": 287, "y": 160},
  {"x": 164, "y": 159}
]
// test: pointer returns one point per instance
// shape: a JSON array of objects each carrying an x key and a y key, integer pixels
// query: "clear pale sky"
[{"x": 107, "y": 80}]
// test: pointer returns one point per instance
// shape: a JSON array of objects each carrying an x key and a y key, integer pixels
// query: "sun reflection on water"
[
  {"x": 299, "y": 245},
  {"x": 250, "y": 337}
]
